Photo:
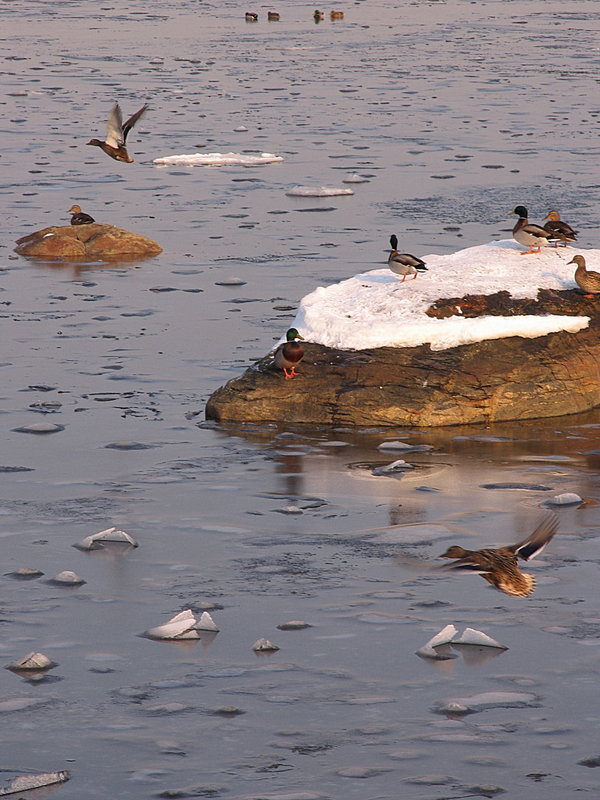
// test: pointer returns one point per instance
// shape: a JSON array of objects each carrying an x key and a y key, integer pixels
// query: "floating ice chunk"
[
  {"x": 404, "y": 447},
  {"x": 240, "y": 129},
  {"x": 322, "y": 191},
  {"x": 294, "y": 625},
  {"x": 355, "y": 179},
  {"x": 25, "y": 573},
  {"x": 183, "y": 626},
  {"x": 32, "y": 780},
  {"x": 67, "y": 578},
  {"x": 32, "y": 661},
  {"x": 233, "y": 281},
  {"x": 390, "y": 469},
  {"x": 475, "y": 637},
  {"x": 485, "y": 700},
  {"x": 566, "y": 499},
  {"x": 439, "y": 641},
  {"x": 207, "y": 623},
  {"x": 217, "y": 160},
  {"x": 110, "y": 535},
  {"x": 40, "y": 428},
  {"x": 264, "y": 646}
]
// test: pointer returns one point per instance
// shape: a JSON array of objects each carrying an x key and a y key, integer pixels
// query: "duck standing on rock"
[
  {"x": 589, "y": 282},
  {"x": 529, "y": 235},
  {"x": 289, "y": 354},
  {"x": 116, "y": 134},
  {"x": 499, "y": 566},
  {"x": 403, "y": 263},
  {"x": 78, "y": 217},
  {"x": 561, "y": 230}
]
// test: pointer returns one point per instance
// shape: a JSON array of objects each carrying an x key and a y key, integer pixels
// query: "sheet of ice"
[
  {"x": 376, "y": 309},
  {"x": 217, "y": 160},
  {"x": 317, "y": 191}
]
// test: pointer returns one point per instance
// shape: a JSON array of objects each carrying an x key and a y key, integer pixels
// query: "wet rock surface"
[{"x": 96, "y": 242}]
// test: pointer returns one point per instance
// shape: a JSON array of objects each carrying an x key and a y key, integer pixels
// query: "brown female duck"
[
  {"x": 588, "y": 281},
  {"x": 289, "y": 354},
  {"x": 499, "y": 566},
  {"x": 78, "y": 217},
  {"x": 116, "y": 134}
]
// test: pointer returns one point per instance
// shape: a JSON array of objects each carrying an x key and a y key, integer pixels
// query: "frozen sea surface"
[{"x": 443, "y": 117}]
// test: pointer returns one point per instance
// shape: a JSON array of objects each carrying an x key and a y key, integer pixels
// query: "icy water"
[{"x": 453, "y": 113}]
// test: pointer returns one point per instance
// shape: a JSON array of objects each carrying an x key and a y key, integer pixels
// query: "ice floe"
[
  {"x": 183, "y": 626},
  {"x": 108, "y": 536},
  {"x": 218, "y": 160},
  {"x": 32, "y": 661},
  {"x": 264, "y": 646},
  {"x": 438, "y": 647},
  {"x": 374, "y": 309},
  {"x": 322, "y": 191}
]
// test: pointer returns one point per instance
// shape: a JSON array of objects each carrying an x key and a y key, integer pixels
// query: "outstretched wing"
[
  {"x": 132, "y": 120},
  {"x": 114, "y": 127},
  {"x": 533, "y": 544}
]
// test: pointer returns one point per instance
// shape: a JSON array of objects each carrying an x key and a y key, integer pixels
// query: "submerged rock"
[
  {"x": 95, "y": 242},
  {"x": 488, "y": 381},
  {"x": 32, "y": 661}
]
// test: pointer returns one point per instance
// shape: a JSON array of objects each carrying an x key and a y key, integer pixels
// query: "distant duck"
[
  {"x": 561, "y": 230},
  {"x": 318, "y": 15},
  {"x": 336, "y": 15},
  {"x": 273, "y": 16},
  {"x": 499, "y": 566},
  {"x": 589, "y": 282},
  {"x": 116, "y": 134},
  {"x": 289, "y": 354},
  {"x": 78, "y": 217},
  {"x": 529, "y": 235},
  {"x": 403, "y": 263},
  {"x": 251, "y": 16}
]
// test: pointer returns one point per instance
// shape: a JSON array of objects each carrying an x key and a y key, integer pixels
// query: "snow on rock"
[
  {"x": 375, "y": 309},
  {"x": 217, "y": 160},
  {"x": 322, "y": 191}
]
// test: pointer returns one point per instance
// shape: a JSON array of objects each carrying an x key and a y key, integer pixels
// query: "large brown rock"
[
  {"x": 94, "y": 242},
  {"x": 489, "y": 381}
]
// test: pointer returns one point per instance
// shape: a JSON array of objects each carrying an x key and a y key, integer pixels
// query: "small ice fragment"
[
  {"x": 25, "y": 573},
  {"x": 321, "y": 191},
  {"x": 264, "y": 646},
  {"x": 36, "y": 780},
  {"x": 233, "y": 281},
  {"x": 218, "y": 159},
  {"x": 67, "y": 578},
  {"x": 475, "y": 637},
  {"x": 403, "y": 446},
  {"x": 444, "y": 637},
  {"x": 97, "y": 540},
  {"x": 33, "y": 661},
  {"x": 355, "y": 178},
  {"x": 566, "y": 499},
  {"x": 181, "y": 626},
  {"x": 240, "y": 129},
  {"x": 40, "y": 428},
  {"x": 389, "y": 469},
  {"x": 485, "y": 700},
  {"x": 206, "y": 623}
]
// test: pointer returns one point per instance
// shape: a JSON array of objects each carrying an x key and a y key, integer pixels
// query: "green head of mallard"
[{"x": 292, "y": 335}]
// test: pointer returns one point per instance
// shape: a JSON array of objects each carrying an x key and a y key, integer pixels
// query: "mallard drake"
[
  {"x": 289, "y": 354},
  {"x": 116, "y": 134},
  {"x": 588, "y": 281},
  {"x": 403, "y": 263},
  {"x": 499, "y": 566},
  {"x": 529, "y": 235},
  {"x": 78, "y": 217},
  {"x": 318, "y": 15},
  {"x": 561, "y": 230}
]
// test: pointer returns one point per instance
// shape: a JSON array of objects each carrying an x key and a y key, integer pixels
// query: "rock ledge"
[{"x": 96, "y": 242}]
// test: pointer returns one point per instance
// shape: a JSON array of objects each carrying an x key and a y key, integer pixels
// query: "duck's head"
[
  {"x": 456, "y": 551},
  {"x": 554, "y": 216},
  {"x": 74, "y": 210},
  {"x": 579, "y": 260},
  {"x": 292, "y": 335},
  {"x": 394, "y": 241},
  {"x": 520, "y": 211}
]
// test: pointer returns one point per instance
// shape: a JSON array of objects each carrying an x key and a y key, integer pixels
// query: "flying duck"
[
  {"x": 589, "y": 282},
  {"x": 78, "y": 217},
  {"x": 529, "y": 235},
  {"x": 403, "y": 263},
  {"x": 499, "y": 566},
  {"x": 116, "y": 134},
  {"x": 561, "y": 230},
  {"x": 289, "y": 354}
]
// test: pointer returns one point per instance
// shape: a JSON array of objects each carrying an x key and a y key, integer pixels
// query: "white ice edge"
[
  {"x": 376, "y": 309},
  {"x": 218, "y": 159}
]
